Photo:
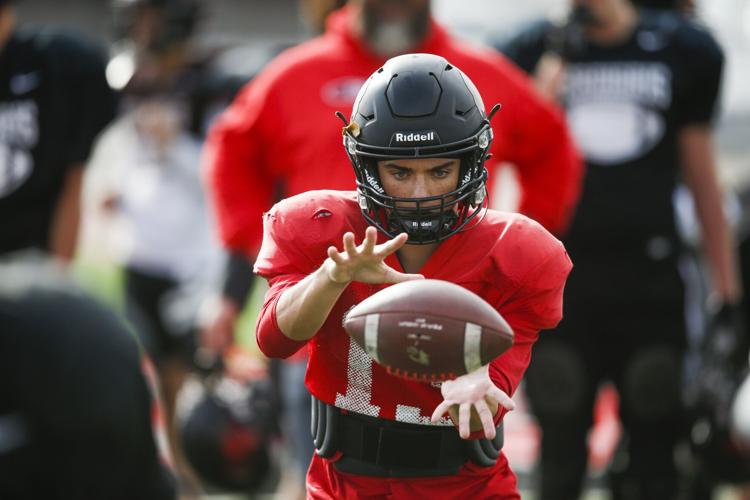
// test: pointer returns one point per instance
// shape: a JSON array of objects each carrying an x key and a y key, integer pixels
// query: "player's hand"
[
  {"x": 473, "y": 394},
  {"x": 549, "y": 77},
  {"x": 366, "y": 262},
  {"x": 217, "y": 326}
]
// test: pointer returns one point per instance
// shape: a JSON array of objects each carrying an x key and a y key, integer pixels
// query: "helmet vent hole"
[{"x": 448, "y": 67}]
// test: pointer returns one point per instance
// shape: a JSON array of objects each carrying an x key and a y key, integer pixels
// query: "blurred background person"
[
  {"x": 146, "y": 176},
  {"x": 641, "y": 90},
  {"x": 54, "y": 100},
  {"x": 273, "y": 142},
  {"x": 78, "y": 415},
  {"x": 738, "y": 442}
]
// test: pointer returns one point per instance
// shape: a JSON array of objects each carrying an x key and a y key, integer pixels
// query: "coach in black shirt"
[{"x": 54, "y": 100}]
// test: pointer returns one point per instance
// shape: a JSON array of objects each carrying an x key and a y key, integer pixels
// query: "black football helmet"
[
  {"x": 420, "y": 106},
  {"x": 711, "y": 394},
  {"x": 225, "y": 427}
]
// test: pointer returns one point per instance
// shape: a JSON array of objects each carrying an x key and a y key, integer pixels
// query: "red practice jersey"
[
  {"x": 280, "y": 136},
  {"x": 509, "y": 260}
]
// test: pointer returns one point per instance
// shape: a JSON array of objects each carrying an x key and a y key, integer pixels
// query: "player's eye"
[
  {"x": 400, "y": 174},
  {"x": 441, "y": 173}
]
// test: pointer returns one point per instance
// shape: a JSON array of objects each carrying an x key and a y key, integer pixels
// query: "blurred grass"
[
  {"x": 245, "y": 331},
  {"x": 104, "y": 280}
]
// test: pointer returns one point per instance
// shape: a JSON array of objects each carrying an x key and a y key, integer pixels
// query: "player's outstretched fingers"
[
  {"x": 485, "y": 416},
  {"x": 441, "y": 410},
  {"x": 392, "y": 245},
  {"x": 464, "y": 420},
  {"x": 502, "y": 399},
  {"x": 393, "y": 276},
  {"x": 335, "y": 256},
  {"x": 349, "y": 246},
  {"x": 371, "y": 237}
]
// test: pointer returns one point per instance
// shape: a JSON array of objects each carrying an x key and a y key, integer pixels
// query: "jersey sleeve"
[
  {"x": 536, "y": 140},
  {"x": 537, "y": 305},
  {"x": 240, "y": 182},
  {"x": 699, "y": 103},
  {"x": 282, "y": 263},
  {"x": 81, "y": 64}
]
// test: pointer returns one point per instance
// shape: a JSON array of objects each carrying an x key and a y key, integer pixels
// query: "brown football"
[{"x": 428, "y": 330}]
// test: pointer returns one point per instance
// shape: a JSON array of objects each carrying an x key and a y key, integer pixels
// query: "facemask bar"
[{"x": 424, "y": 221}]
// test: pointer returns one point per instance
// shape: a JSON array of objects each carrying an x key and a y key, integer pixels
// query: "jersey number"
[{"x": 358, "y": 397}]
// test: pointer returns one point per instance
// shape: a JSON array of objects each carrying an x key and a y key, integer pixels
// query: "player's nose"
[{"x": 420, "y": 189}]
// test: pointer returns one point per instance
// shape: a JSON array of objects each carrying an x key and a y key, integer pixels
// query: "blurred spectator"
[
  {"x": 77, "y": 412},
  {"x": 640, "y": 89},
  {"x": 276, "y": 141},
  {"x": 147, "y": 169},
  {"x": 315, "y": 12},
  {"x": 54, "y": 101}
]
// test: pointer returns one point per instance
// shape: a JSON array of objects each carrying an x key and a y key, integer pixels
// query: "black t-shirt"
[
  {"x": 75, "y": 406},
  {"x": 626, "y": 105},
  {"x": 54, "y": 100}
]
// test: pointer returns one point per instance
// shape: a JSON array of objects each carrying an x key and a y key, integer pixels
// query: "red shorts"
[{"x": 324, "y": 482}]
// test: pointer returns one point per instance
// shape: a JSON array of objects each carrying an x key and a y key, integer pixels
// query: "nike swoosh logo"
[{"x": 23, "y": 83}]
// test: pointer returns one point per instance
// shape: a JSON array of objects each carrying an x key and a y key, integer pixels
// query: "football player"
[
  {"x": 272, "y": 142},
  {"x": 418, "y": 140},
  {"x": 641, "y": 92}
]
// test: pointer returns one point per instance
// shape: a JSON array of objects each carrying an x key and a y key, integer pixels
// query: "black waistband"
[{"x": 378, "y": 447}]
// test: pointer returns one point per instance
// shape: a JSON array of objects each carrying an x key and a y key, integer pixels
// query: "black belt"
[{"x": 378, "y": 447}]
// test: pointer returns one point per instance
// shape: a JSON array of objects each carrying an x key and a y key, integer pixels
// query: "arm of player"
[
  {"x": 549, "y": 76},
  {"x": 699, "y": 172},
  {"x": 238, "y": 170},
  {"x": 476, "y": 397},
  {"x": 67, "y": 216},
  {"x": 303, "y": 308}
]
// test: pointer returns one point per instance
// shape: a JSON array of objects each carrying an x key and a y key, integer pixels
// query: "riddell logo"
[{"x": 429, "y": 137}]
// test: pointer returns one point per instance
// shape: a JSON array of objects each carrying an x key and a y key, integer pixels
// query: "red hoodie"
[{"x": 280, "y": 136}]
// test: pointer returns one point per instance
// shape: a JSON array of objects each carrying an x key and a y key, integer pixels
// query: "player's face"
[
  {"x": 597, "y": 11},
  {"x": 392, "y": 27},
  {"x": 419, "y": 177},
  {"x": 146, "y": 27},
  {"x": 395, "y": 10}
]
